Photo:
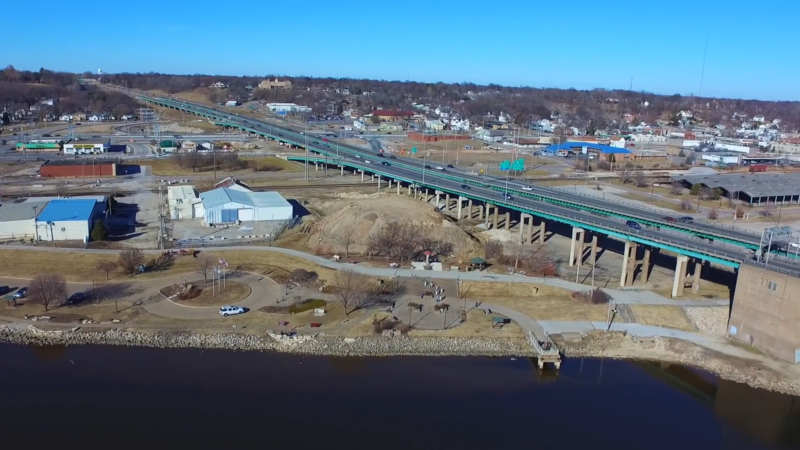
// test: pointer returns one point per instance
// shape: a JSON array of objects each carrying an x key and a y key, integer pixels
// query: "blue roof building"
[
  {"x": 67, "y": 219},
  {"x": 600, "y": 148}
]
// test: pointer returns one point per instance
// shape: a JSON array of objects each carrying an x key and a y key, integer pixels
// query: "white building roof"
[
  {"x": 97, "y": 198},
  {"x": 11, "y": 212},
  {"x": 222, "y": 196},
  {"x": 185, "y": 193}
]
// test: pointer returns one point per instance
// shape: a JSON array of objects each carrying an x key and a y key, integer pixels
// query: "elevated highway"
[{"x": 697, "y": 240}]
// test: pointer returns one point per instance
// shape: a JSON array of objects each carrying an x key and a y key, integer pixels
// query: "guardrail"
[{"x": 553, "y": 351}]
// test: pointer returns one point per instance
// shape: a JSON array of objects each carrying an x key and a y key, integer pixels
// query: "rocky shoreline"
[
  {"x": 320, "y": 345},
  {"x": 614, "y": 347}
]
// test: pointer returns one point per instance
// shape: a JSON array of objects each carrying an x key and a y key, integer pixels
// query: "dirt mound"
[{"x": 360, "y": 216}]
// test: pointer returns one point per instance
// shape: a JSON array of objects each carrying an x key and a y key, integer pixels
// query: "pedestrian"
[
  {"x": 422, "y": 296},
  {"x": 393, "y": 304}
]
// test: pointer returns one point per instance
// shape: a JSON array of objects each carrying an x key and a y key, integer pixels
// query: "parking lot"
[
  {"x": 134, "y": 220},
  {"x": 192, "y": 233}
]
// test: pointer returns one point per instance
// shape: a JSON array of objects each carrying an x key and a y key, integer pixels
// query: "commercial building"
[
  {"x": 785, "y": 147},
  {"x": 68, "y": 219},
  {"x": 38, "y": 146},
  {"x": 78, "y": 168},
  {"x": 227, "y": 205},
  {"x": 18, "y": 220},
  {"x": 721, "y": 158},
  {"x": 86, "y": 147},
  {"x": 184, "y": 203},
  {"x": 275, "y": 84},
  {"x": 287, "y": 107},
  {"x": 436, "y": 137},
  {"x": 390, "y": 114},
  {"x": 752, "y": 188}
]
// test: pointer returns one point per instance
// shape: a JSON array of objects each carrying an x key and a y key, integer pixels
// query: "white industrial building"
[
  {"x": 287, "y": 107},
  {"x": 184, "y": 203},
  {"x": 82, "y": 148},
  {"x": 18, "y": 220},
  {"x": 228, "y": 205},
  {"x": 67, "y": 219},
  {"x": 721, "y": 158}
]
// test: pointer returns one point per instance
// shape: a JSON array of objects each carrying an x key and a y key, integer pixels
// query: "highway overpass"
[{"x": 699, "y": 240}]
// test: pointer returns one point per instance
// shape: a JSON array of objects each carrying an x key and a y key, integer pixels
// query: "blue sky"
[{"x": 752, "y": 49}]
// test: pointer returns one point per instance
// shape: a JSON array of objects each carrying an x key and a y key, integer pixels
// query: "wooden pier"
[{"x": 546, "y": 351}]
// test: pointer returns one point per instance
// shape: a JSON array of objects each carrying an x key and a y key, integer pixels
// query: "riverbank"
[{"x": 601, "y": 345}]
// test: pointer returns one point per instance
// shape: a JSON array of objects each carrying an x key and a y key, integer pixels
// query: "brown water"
[{"x": 137, "y": 398}]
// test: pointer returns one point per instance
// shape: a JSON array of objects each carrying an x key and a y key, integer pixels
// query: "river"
[{"x": 143, "y": 398}]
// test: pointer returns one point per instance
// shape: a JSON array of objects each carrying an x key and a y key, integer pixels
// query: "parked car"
[
  {"x": 230, "y": 310},
  {"x": 686, "y": 219},
  {"x": 4, "y": 290},
  {"x": 633, "y": 225},
  {"x": 75, "y": 298},
  {"x": 464, "y": 186},
  {"x": 669, "y": 219},
  {"x": 21, "y": 293},
  {"x": 527, "y": 188}
]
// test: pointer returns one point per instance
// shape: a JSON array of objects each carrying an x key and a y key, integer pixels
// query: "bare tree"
[
  {"x": 106, "y": 266},
  {"x": 639, "y": 179},
  {"x": 625, "y": 175},
  {"x": 767, "y": 210},
  {"x": 686, "y": 205},
  {"x": 706, "y": 193},
  {"x": 713, "y": 214},
  {"x": 47, "y": 290},
  {"x": 346, "y": 239},
  {"x": 352, "y": 289},
  {"x": 676, "y": 189},
  {"x": 130, "y": 259},
  {"x": 492, "y": 249},
  {"x": 205, "y": 264}
]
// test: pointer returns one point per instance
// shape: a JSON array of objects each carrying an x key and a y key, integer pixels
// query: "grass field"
[
  {"x": 170, "y": 167},
  {"x": 664, "y": 316}
]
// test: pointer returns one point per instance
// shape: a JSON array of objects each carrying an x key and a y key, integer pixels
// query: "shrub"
[
  {"x": 713, "y": 214},
  {"x": 595, "y": 297},
  {"x": 307, "y": 305},
  {"x": 302, "y": 276},
  {"x": 99, "y": 231}
]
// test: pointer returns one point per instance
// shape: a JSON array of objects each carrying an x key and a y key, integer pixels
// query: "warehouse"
[
  {"x": 184, "y": 203},
  {"x": 78, "y": 168},
  {"x": 17, "y": 220},
  {"x": 67, "y": 220},
  {"x": 86, "y": 147},
  {"x": 226, "y": 205}
]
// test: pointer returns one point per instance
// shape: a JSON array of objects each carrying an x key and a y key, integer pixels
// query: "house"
[
  {"x": 459, "y": 124},
  {"x": 65, "y": 118},
  {"x": 275, "y": 84},
  {"x": 231, "y": 103},
  {"x": 218, "y": 85},
  {"x": 489, "y": 135},
  {"x": 434, "y": 125},
  {"x": 227, "y": 205}
]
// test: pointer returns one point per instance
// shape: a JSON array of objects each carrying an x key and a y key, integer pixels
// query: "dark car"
[
  {"x": 21, "y": 293},
  {"x": 4, "y": 290},
  {"x": 507, "y": 197},
  {"x": 633, "y": 225},
  {"x": 685, "y": 219},
  {"x": 385, "y": 163},
  {"x": 669, "y": 219},
  {"x": 428, "y": 167},
  {"x": 392, "y": 157},
  {"x": 464, "y": 186},
  {"x": 75, "y": 298},
  {"x": 380, "y": 155},
  {"x": 451, "y": 166}
]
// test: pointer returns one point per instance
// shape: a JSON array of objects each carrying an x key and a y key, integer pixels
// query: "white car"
[
  {"x": 439, "y": 168},
  {"x": 368, "y": 161},
  {"x": 527, "y": 188},
  {"x": 230, "y": 310}
]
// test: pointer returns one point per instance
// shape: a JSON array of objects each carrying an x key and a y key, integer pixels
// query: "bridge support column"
[
  {"x": 646, "y": 265},
  {"x": 542, "y": 231},
  {"x": 390, "y": 183},
  {"x": 447, "y": 202},
  {"x": 481, "y": 211},
  {"x": 458, "y": 208},
  {"x": 379, "y": 182},
  {"x": 362, "y": 176},
  {"x": 593, "y": 254},
  {"x": 628, "y": 264},
  {"x": 679, "y": 283},
  {"x": 469, "y": 209},
  {"x": 409, "y": 190},
  {"x": 508, "y": 221},
  {"x": 316, "y": 167},
  {"x": 372, "y": 177},
  {"x": 487, "y": 212},
  {"x": 522, "y": 218},
  {"x": 496, "y": 216},
  {"x": 698, "y": 266},
  {"x": 398, "y": 188},
  {"x": 577, "y": 236},
  {"x": 341, "y": 171}
]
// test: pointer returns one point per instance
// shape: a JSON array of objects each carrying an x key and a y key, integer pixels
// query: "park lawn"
[{"x": 666, "y": 316}]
